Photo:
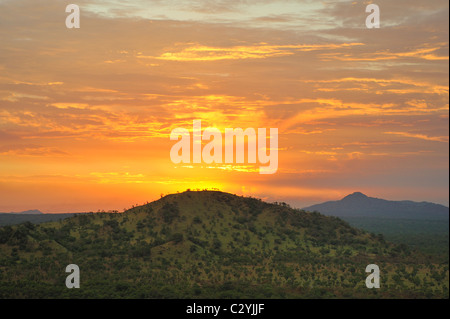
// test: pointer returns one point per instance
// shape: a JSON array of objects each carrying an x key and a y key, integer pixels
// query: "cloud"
[
  {"x": 118, "y": 177},
  {"x": 15, "y": 96},
  {"x": 30, "y": 150},
  {"x": 379, "y": 85},
  {"x": 261, "y": 51},
  {"x": 70, "y": 105},
  {"x": 443, "y": 139},
  {"x": 424, "y": 53}
]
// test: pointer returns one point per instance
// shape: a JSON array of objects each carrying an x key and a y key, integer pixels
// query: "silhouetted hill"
[
  {"x": 14, "y": 219},
  {"x": 209, "y": 244},
  {"x": 27, "y": 212},
  {"x": 360, "y": 205}
]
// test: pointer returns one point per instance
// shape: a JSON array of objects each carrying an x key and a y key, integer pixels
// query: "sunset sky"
[{"x": 86, "y": 114}]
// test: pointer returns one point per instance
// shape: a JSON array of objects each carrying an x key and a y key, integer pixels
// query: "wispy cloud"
[
  {"x": 31, "y": 150},
  {"x": 379, "y": 85},
  {"x": 424, "y": 53},
  {"x": 199, "y": 52},
  {"x": 443, "y": 139}
]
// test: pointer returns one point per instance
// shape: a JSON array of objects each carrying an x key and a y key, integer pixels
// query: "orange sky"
[{"x": 86, "y": 114}]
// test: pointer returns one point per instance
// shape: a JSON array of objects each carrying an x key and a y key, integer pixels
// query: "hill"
[
  {"x": 26, "y": 212},
  {"x": 18, "y": 218},
  {"x": 360, "y": 205},
  {"x": 210, "y": 245}
]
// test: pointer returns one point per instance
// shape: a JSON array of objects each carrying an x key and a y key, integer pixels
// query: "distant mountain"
[
  {"x": 27, "y": 212},
  {"x": 36, "y": 218},
  {"x": 360, "y": 205}
]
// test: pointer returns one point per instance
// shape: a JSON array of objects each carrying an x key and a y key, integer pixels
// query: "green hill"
[{"x": 210, "y": 244}]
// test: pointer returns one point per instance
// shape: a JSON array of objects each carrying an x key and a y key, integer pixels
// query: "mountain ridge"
[
  {"x": 358, "y": 204},
  {"x": 26, "y": 212}
]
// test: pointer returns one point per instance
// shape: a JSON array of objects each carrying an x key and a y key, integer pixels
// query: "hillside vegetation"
[
  {"x": 428, "y": 236},
  {"x": 210, "y": 244}
]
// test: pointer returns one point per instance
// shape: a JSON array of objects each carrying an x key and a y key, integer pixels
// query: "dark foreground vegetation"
[{"x": 211, "y": 245}]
